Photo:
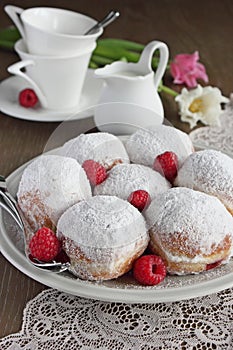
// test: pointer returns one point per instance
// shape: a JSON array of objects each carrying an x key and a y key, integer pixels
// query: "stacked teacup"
[{"x": 54, "y": 53}]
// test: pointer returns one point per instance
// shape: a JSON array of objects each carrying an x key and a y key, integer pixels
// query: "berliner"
[
  {"x": 146, "y": 144},
  {"x": 211, "y": 172},
  {"x": 102, "y": 236},
  {"x": 49, "y": 185},
  {"x": 124, "y": 179},
  {"x": 104, "y": 148},
  {"x": 191, "y": 231}
]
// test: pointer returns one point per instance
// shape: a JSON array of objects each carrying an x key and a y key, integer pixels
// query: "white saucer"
[{"x": 10, "y": 88}]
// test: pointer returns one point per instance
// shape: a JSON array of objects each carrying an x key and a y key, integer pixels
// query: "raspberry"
[
  {"x": 213, "y": 265},
  {"x": 140, "y": 199},
  {"x": 167, "y": 165},
  {"x": 149, "y": 270},
  {"x": 28, "y": 98},
  {"x": 62, "y": 257},
  {"x": 96, "y": 172},
  {"x": 44, "y": 245}
]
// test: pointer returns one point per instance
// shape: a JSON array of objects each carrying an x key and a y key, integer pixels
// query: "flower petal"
[
  {"x": 186, "y": 69},
  {"x": 200, "y": 104}
]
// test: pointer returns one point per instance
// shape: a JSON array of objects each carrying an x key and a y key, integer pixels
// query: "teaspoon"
[{"x": 104, "y": 22}]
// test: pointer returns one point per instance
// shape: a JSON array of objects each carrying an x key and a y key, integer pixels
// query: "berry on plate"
[
  {"x": 213, "y": 265},
  {"x": 149, "y": 270},
  {"x": 139, "y": 199},
  {"x": 96, "y": 173},
  {"x": 44, "y": 245},
  {"x": 167, "y": 165},
  {"x": 28, "y": 98}
]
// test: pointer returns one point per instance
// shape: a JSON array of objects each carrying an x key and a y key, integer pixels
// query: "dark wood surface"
[{"x": 185, "y": 25}]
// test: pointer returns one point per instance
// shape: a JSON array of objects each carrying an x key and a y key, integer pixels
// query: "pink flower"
[{"x": 186, "y": 69}]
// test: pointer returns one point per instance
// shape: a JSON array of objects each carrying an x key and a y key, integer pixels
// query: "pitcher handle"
[
  {"x": 14, "y": 13},
  {"x": 16, "y": 69},
  {"x": 146, "y": 58}
]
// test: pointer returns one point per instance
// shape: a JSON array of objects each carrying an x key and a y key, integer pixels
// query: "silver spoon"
[
  {"x": 8, "y": 203},
  {"x": 104, "y": 22},
  {"x": 53, "y": 266}
]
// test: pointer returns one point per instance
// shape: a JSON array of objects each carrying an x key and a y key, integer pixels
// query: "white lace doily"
[
  {"x": 55, "y": 320},
  {"x": 219, "y": 138}
]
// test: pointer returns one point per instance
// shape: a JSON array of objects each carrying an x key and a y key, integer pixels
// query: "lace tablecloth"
[
  {"x": 215, "y": 137},
  {"x": 55, "y": 320}
]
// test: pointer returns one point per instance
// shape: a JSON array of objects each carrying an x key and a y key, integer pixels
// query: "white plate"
[
  {"x": 123, "y": 289},
  {"x": 10, "y": 88}
]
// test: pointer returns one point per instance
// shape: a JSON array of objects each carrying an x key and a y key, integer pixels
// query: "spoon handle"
[
  {"x": 53, "y": 266},
  {"x": 9, "y": 206},
  {"x": 104, "y": 22}
]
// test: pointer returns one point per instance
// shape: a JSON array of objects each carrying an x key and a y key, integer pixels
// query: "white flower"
[{"x": 201, "y": 104}]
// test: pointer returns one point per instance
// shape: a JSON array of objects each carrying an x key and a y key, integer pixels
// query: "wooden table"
[{"x": 185, "y": 25}]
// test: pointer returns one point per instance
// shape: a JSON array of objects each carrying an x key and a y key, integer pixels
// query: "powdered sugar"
[
  {"x": 102, "y": 222},
  {"x": 123, "y": 179},
  {"x": 102, "y": 147},
  {"x": 144, "y": 145},
  {"x": 211, "y": 172},
  {"x": 56, "y": 182},
  {"x": 200, "y": 218}
]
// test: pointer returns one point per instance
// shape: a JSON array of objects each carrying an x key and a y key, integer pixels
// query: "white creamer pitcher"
[{"x": 129, "y": 97}]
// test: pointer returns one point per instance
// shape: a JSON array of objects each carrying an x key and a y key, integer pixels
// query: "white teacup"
[
  {"x": 52, "y": 31},
  {"x": 57, "y": 81}
]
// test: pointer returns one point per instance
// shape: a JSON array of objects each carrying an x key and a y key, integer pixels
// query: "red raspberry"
[
  {"x": 62, "y": 257},
  {"x": 149, "y": 270},
  {"x": 167, "y": 165},
  {"x": 139, "y": 199},
  {"x": 96, "y": 172},
  {"x": 44, "y": 245},
  {"x": 213, "y": 265},
  {"x": 28, "y": 98}
]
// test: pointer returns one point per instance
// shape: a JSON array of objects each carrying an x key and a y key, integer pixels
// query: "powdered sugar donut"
[
  {"x": 124, "y": 179},
  {"x": 211, "y": 172},
  {"x": 190, "y": 230},
  {"x": 101, "y": 147},
  {"x": 145, "y": 145},
  {"x": 102, "y": 237},
  {"x": 49, "y": 185}
]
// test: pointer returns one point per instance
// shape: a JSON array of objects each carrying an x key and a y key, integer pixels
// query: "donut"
[
  {"x": 146, "y": 144},
  {"x": 102, "y": 236},
  {"x": 124, "y": 179},
  {"x": 191, "y": 231},
  {"x": 104, "y": 148},
  {"x": 211, "y": 172},
  {"x": 49, "y": 185}
]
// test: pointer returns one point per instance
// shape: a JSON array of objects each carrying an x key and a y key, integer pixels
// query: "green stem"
[
  {"x": 93, "y": 65},
  {"x": 101, "y": 60},
  {"x": 124, "y": 44},
  {"x": 9, "y": 34},
  {"x": 5, "y": 44},
  {"x": 116, "y": 53},
  {"x": 168, "y": 90}
]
